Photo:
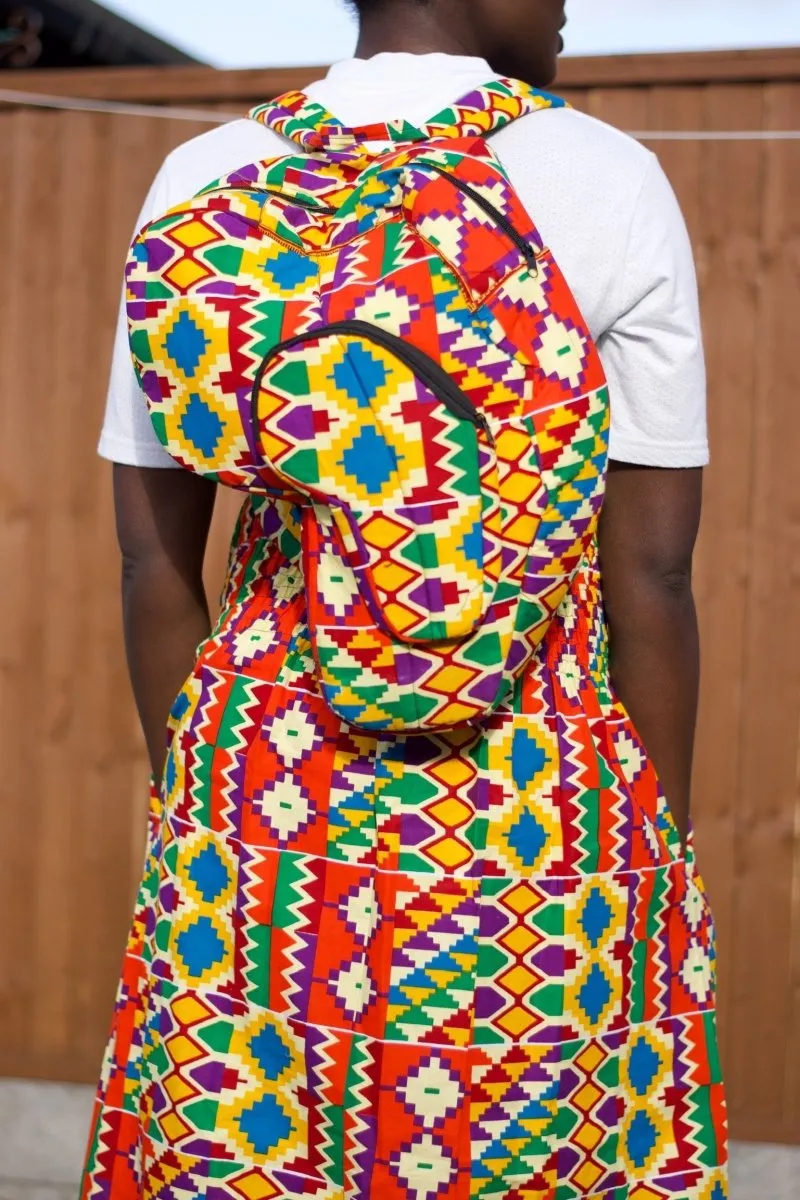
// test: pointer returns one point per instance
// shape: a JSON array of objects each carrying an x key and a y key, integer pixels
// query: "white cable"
[
  {"x": 717, "y": 135},
  {"x": 74, "y": 104}
]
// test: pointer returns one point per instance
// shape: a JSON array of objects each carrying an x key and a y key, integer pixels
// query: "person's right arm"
[{"x": 163, "y": 518}]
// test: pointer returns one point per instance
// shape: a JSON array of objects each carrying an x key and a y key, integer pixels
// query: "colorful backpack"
[{"x": 374, "y": 329}]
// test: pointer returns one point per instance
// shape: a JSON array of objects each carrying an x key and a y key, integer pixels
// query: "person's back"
[
  {"x": 475, "y": 961},
  {"x": 599, "y": 199}
]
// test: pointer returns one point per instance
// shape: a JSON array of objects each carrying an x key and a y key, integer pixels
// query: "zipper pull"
[
  {"x": 482, "y": 421},
  {"x": 529, "y": 254}
]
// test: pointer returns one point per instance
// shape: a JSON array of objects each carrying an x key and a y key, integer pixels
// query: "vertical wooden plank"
[
  {"x": 765, "y": 1093},
  {"x": 15, "y": 832},
  {"x": 63, "y": 717},
  {"x": 27, "y": 375},
  {"x": 19, "y": 819},
  {"x": 728, "y": 254}
]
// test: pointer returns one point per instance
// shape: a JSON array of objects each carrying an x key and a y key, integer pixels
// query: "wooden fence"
[{"x": 73, "y": 768}]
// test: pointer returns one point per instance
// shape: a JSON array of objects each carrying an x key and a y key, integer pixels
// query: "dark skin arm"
[
  {"x": 163, "y": 519},
  {"x": 647, "y": 538}
]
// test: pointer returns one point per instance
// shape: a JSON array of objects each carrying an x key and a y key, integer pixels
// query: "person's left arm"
[
  {"x": 163, "y": 519},
  {"x": 654, "y": 359},
  {"x": 647, "y": 537}
]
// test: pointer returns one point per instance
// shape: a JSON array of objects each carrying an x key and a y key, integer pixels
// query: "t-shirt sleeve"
[
  {"x": 653, "y": 352},
  {"x": 128, "y": 436}
]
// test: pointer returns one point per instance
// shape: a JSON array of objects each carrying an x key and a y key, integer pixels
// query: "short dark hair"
[{"x": 368, "y": 6}]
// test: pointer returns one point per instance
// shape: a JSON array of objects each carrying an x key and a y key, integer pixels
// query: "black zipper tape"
[
  {"x": 501, "y": 220},
  {"x": 324, "y": 210},
  {"x": 423, "y": 366}
]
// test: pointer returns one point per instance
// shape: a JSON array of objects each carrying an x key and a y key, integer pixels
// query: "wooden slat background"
[{"x": 73, "y": 767}]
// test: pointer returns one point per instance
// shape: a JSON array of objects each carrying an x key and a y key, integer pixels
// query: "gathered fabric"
[{"x": 415, "y": 920}]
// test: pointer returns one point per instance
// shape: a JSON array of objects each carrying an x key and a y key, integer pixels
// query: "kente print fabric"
[
  {"x": 444, "y": 510},
  {"x": 370, "y": 961}
]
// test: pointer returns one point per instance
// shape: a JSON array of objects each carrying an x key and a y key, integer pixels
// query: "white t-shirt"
[{"x": 600, "y": 201}]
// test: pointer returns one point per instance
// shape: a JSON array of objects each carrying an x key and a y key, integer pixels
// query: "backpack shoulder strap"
[
  {"x": 480, "y": 113},
  {"x": 487, "y": 109},
  {"x": 295, "y": 116}
]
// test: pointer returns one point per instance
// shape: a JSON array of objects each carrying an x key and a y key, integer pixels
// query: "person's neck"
[{"x": 417, "y": 34}]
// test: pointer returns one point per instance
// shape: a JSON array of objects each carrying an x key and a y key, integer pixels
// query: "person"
[{"x": 533, "y": 1017}]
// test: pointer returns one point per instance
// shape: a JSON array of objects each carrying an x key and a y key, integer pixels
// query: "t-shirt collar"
[{"x": 384, "y": 72}]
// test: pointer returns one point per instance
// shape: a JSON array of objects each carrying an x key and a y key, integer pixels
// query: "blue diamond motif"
[
  {"x": 384, "y": 197},
  {"x": 643, "y": 1066},
  {"x": 265, "y": 1125},
  {"x": 209, "y": 874},
  {"x": 642, "y": 1138},
  {"x": 170, "y": 773},
  {"x": 528, "y": 839},
  {"x": 527, "y": 759},
  {"x": 537, "y": 1110},
  {"x": 472, "y": 545},
  {"x": 200, "y": 947},
  {"x": 270, "y": 1053},
  {"x": 596, "y": 917},
  {"x": 180, "y": 707},
  {"x": 370, "y": 460},
  {"x": 186, "y": 344},
  {"x": 289, "y": 270},
  {"x": 360, "y": 374},
  {"x": 201, "y": 426},
  {"x": 595, "y": 994}
]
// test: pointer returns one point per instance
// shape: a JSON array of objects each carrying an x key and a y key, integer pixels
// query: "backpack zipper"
[
  {"x": 422, "y": 365},
  {"x": 528, "y": 251},
  {"x": 324, "y": 210}
]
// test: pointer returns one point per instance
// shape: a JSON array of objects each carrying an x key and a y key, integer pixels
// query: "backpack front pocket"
[{"x": 371, "y": 428}]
